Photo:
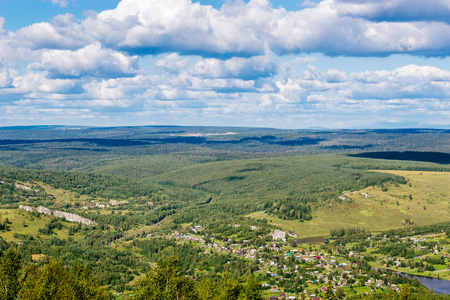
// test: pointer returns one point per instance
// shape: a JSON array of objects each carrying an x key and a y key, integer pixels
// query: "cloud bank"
[{"x": 247, "y": 63}]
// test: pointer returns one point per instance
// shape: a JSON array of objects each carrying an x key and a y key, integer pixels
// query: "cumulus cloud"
[
  {"x": 323, "y": 29},
  {"x": 396, "y": 10},
  {"x": 333, "y": 27},
  {"x": 27, "y": 44},
  {"x": 118, "y": 88},
  {"x": 405, "y": 93},
  {"x": 62, "y": 33},
  {"x": 240, "y": 61},
  {"x": 244, "y": 68},
  {"x": 36, "y": 85},
  {"x": 6, "y": 77},
  {"x": 172, "y": 63},
  {"x": 92, "y": 61},
  {"x": 410, "y": 81},
  {"x": 156, "y": 26}
]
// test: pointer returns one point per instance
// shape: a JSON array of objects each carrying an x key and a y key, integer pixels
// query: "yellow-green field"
[
  {"x": 64, "y": 196},
  {"x": 22, "y": 222},
  {"x": 430, "y": 203}
]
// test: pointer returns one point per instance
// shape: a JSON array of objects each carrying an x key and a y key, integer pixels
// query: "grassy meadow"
[
  {"x": 23, "y": 222},
  {"x": 429, "y": 204}
]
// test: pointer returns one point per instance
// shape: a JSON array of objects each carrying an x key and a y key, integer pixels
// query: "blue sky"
[{"x": 283, "y": 64}]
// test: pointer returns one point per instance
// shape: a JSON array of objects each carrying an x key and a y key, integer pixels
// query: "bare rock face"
[
  {"x": 44, "y": 210},
  {"x": 60, "y": 214},
  {"x": 73, "y": 218},
  {"x": 27, "y": 208}
]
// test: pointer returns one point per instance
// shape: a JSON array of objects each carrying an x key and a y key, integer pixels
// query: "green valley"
[{"x": 220, "y": 208}]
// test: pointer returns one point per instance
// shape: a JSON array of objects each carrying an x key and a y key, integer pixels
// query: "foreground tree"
[
  {"x": 166, "y": 282},
  {"x": 230, "y": 289},
  {"x": 51, "y": 281},
  {"x": 207, "y": 289},
  {"x": 83, "y": 284},
  {"x": 252, "y": 289},
  {"x": 9, "y": 275}
]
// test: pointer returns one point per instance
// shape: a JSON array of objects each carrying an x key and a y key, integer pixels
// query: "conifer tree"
[
  {"x": 9, "y": 275},
  {"x": 166, "y": 282}
]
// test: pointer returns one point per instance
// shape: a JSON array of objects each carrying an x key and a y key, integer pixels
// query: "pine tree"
[
  {"x": 252, "y": 289},
  {"x": 230, "y": 289},
  {"x": 166, "y": 282},
  {"x": 9, "y": 275},
  {"x": 207, "y": 289},
  {"x": 50, "y": 282},
  {"x": 84, "y": 284}
]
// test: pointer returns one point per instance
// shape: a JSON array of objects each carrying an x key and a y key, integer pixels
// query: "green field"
[
  {"x": 380, "y": 212},
  {"x": 23, "y": 222}
]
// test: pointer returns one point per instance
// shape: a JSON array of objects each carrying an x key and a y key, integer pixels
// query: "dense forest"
[{"x": 175, "y": 202}]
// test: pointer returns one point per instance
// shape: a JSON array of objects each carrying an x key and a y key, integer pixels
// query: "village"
[{"x": 306, "y": 271}]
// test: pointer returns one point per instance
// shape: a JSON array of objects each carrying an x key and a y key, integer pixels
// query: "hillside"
[{"x": 423, "y": 200}]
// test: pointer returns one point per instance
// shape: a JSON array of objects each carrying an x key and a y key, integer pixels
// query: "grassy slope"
[
  {"x": 380, "y": 212},
  {"x": 17, "y": 218}
]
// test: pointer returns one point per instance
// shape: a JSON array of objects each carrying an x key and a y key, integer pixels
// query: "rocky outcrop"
[
  {"x": 73, "y": 218},
  {"x": 27, "y": 208},
  {"x": 44, "y": 210},
  {"x": 60, "y": 214}
]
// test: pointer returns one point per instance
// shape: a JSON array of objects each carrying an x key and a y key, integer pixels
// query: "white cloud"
[
  {"x": 239, "y": 29},
  {"x": 227, "y": 61},
  {"x": 36, "y": 86},
  {"x": 62, "y": 33},
  {"x": 28, "y": 43},
  {"x": 396, "y": 10},
  {"x": 62, "y": 3},
  {"x": 91, "y": 61},
  {"x": 245, "y": 68},
  {"x": 118, "y": 88},
  {"x": 409, "y": 92},
  {"x": 410, "y": 81},
  {"x": 6, "y": 77},
  {"x": 172, "y": 63},
  {"x": 175, "y": 25}
]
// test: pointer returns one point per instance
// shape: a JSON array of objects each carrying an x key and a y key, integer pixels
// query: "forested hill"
[{"x": 75, "y": 148}]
